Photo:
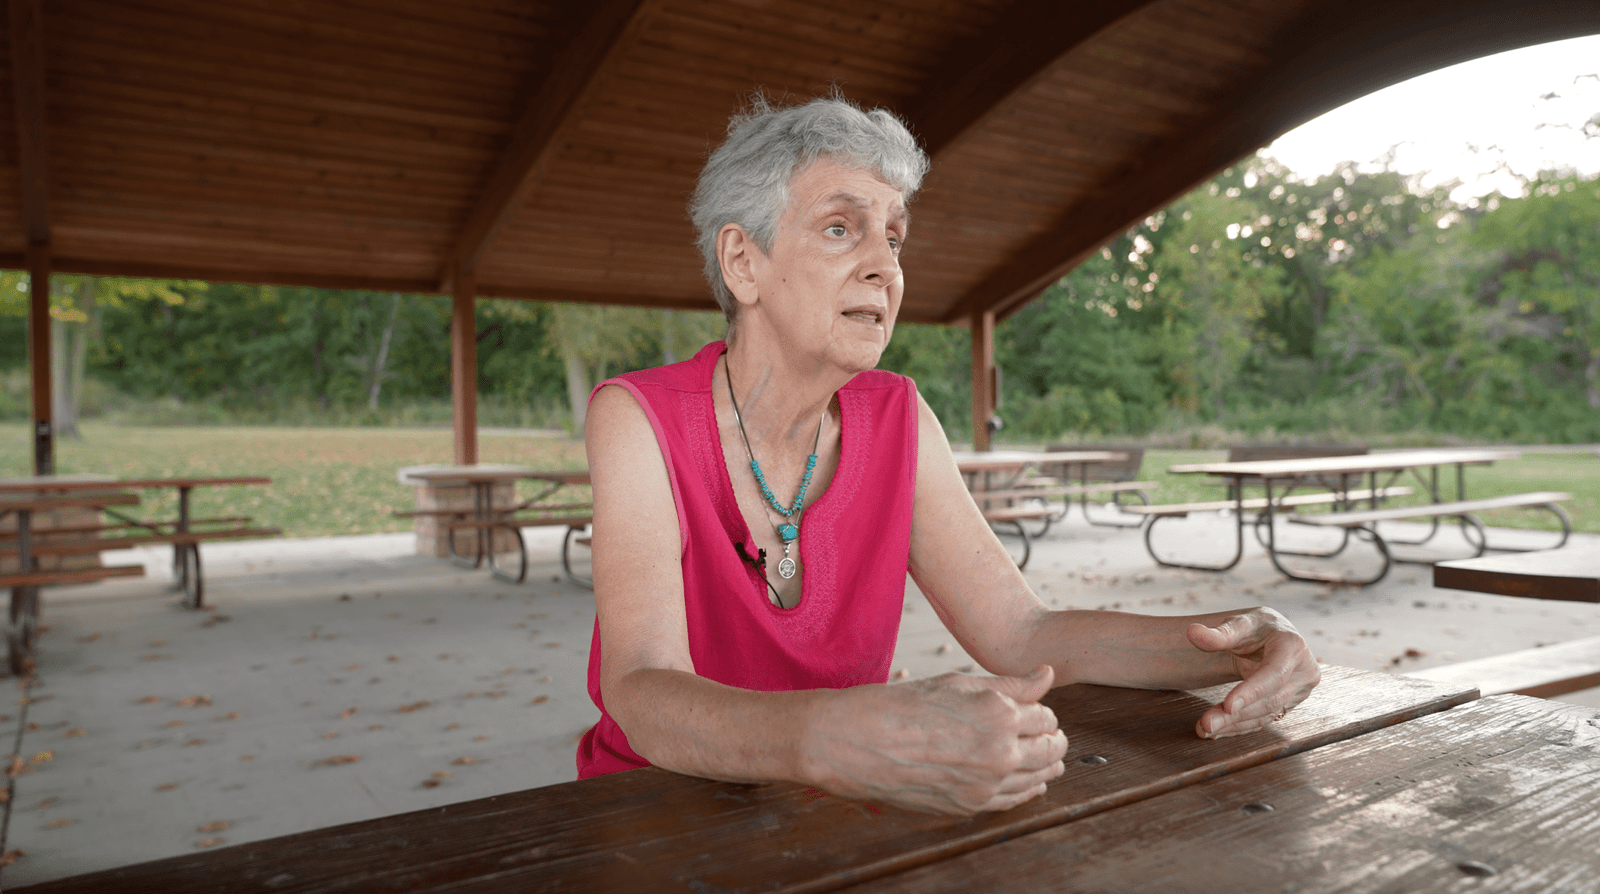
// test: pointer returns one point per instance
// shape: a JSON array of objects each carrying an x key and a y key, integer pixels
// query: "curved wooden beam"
[
  {"x": 1323, "y": 60},
  {"x": 585, "y": 64}
]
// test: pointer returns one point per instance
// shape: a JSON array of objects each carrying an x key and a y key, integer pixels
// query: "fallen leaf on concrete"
[
  {"x": 330, "y": 735},
  {"x": 375, "y": 726},
  {"x": 1415, "y": 653},
  {"x": 247, "y": 757},
  {"x": 155, "y": 657},
  {"x": 345, "y": 714},
  {"x": 148, "y": 700},
  {"x": 444, "y": 656},
  {"x": 195, "y": 701},
  {"x": 214, "y": 620},
  {"x": 300, "y": 660},
  {"x": 89, "y": 639},
  {"x": 539, "y": 699},
  {"x": 414, "y": 706},
  {"x": 902, "y": 674},
  {"x": 45, "y": 803},
  {"x": 195, "y": 742},
  {"x": 5, "y": 795},
  {"x": 392, "y": 658},
  {"x": 172, "y": 724},
  {"x": 429, "y": 783},
  {"x": 441, "y": 774},
  {"x": 463, "y": 761},
  {"x": 336, "y": 760},
  {"x": 215, "y": 826},
  {"x": 545, "y": 678},
  {"x": 166, "y": 786},
  {"x": 231, "y": 715},
  {"x": 552, "y": 645},
  {"x": 452, "y": 726},
  {"x": 58, "y": 823},
  {"x": 157, "y": 643},
  {"x": 508, "y": 672},
  {"x": 74, "y": 733},
  {"x": 943, "y": 648},
  {"x": 351, "y": 667},
  {"x": 9, "y": 857},
  {"x": 43, "y": 757},
  {"x": 210, "y": 842}
]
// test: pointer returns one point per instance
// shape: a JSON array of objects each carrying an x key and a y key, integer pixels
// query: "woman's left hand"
[{"x": 1273, "y": 661}]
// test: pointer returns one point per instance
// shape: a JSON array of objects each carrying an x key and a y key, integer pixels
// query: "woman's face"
[{"x": 832, "y": 283}]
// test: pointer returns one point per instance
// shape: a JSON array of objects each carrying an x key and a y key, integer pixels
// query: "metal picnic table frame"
[{"x": 1279, "y": 478}]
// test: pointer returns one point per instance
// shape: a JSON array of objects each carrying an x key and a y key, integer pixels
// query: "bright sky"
[{"x": 1524, "y": 110}]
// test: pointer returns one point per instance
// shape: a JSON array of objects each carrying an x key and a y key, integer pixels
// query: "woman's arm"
[
  {"x": 986, "y": 603},
  {"x": 953, "y": 744}
]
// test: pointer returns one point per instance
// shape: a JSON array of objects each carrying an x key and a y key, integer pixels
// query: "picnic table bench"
[
  {"x": 22, "y": 498},
  {"x": 483, "y": 518}
]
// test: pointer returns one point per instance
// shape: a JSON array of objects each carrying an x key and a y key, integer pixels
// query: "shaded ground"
[{"x": 340, "y": 679}]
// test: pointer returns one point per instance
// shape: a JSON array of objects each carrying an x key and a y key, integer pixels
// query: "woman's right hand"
[{"x": 954, "y": 743}]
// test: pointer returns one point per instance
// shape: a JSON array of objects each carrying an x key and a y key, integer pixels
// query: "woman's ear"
[{"x": 738, "y": 255}]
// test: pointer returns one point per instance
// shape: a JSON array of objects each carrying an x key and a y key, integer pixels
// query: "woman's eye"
[
  {"x": 837, "y": 230},
  {"x": 894, "y": 243}
]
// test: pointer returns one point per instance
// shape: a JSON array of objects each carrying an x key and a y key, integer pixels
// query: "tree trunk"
[
  {"x": 577, "y": 387},
  {"x": 668, "y": 355},
  {"x": 1591, "y": 378},
  {"x": 383, "y": 354},
  {"x": 70, "y": 347}
]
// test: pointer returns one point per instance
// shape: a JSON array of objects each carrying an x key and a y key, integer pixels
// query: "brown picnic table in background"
[
  {"x": 1342, "y": 477},
  {"x": 999, "y": 483},
  {"x": 652, "y": 830},
  {"x": 484, "y": 517},
  {"x": 1571, "y": 574},
  {"x": 22, "y": 498}
]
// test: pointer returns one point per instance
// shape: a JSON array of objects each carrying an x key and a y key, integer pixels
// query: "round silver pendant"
[{"x": 786, "y": 568}]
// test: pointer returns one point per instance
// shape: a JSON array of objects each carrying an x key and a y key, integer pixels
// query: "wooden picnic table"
[
  {"x": 24, "y": 496},
  {"x": 1571, "y": 573},
  {"x": 1344, "y": 475},
  {"x": 652, "y": 830},
  {"x": 484, "y": 517},
  {"x": 1502, "y": 795},
  {"x": 997, "y": 480}
]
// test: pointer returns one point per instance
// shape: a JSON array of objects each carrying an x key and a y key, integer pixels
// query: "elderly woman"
[{"x": 757, "y": 508}]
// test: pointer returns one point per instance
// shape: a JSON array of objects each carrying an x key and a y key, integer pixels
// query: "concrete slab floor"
[{"x": 340, "y": 679}]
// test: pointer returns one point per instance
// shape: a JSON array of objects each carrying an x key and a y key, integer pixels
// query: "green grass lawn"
[
  {"x": 325, "y": 481},
  {"x": 1575, "y": 473},
  {"x": 328, "y": 481}
]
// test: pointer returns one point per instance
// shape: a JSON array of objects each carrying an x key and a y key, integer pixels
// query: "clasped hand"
[{"x": 954, "y": 743}]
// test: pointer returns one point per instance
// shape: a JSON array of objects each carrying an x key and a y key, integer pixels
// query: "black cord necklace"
[{"x": 789, "y": 531}]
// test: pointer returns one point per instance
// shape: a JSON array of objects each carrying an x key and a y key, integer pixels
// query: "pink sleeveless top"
[{"x": 854, "y": 547}]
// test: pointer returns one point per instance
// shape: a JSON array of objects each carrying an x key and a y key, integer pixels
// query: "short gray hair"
[{"x": 746, "y": 180}]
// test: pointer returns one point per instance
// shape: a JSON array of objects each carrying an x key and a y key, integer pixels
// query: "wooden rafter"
[
  {"x": 1325, "y": 60},
  {"x": 1028, "y": 40},
  {"x": 26, "y": 27},
  {"x": 581, "y": 70}
]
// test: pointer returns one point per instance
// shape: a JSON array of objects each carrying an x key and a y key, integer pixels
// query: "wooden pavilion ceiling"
[{"x": 549, "y": 147}]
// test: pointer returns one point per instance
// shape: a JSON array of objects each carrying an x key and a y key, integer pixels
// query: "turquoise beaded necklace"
[{"x": 789, "y": 531}]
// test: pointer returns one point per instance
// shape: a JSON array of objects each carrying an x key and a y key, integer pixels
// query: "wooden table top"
[
  {"x": 994, "y": 460},
  {"x": 106, "y": 482},
  {"x": 652, "y": 830},
  {"x": 1500, "y": 795},
  {"x": 1571, "y": 573},
  {"x": 1366, "y": 462}
]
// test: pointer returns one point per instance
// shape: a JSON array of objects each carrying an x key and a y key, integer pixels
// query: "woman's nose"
[{"x": 882, "y": 264}]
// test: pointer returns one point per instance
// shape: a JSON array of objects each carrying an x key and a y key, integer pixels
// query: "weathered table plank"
[
  {"x": 651, "y": 830},
  {"x": 1502, "y": 795}
]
